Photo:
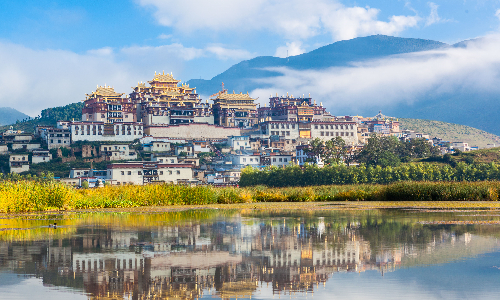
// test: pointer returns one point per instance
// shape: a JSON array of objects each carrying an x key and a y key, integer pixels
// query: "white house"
[
  {"x": 145, "y": 172},
  {"x": 118, "y": 152},
  {"x": 245, "y": 159},
  {"x": 40, "y": 155},
  {"x": 239, "y": 142},
  {"x": 19, "y": 163}
]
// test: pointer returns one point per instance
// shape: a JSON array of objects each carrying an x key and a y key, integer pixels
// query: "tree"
[
  {"x": 85, "y": 184},
  {"x": 335, "y": 151},
  {"x": 315, "y": 150},
  {"x": 380, "y": 151}
]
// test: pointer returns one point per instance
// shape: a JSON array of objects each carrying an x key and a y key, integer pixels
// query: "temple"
[
  {"x": 106, "y": 105},
  {"x": 234, "y": 110},
  {"x": 165, "y": 102}
]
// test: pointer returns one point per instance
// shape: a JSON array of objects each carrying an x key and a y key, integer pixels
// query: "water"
[{"x": 331, "y": 254}]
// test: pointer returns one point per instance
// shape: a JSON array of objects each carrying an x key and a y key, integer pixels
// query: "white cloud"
[
  {"x": 224, "y": 53},
  {"x": 291, "y": 49},
  {"x": 294, "y": 19},
  {"x": 434, "y": 17},
  {"x": 164, "y": 36},
  {"x": 32, "y": 80},
  {"x": 398, "y": 79}
]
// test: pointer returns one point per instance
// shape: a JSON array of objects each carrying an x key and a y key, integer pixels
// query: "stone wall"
[{"x": 196, "y": 131}]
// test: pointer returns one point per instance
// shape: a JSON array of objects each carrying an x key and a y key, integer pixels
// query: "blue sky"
[{"x": 53, "y": 52}]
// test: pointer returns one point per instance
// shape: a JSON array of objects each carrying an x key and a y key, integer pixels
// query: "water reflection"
[{"x": 231, "y": 254}]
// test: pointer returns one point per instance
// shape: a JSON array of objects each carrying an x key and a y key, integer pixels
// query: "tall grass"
[{"x": 27, "y": 196}]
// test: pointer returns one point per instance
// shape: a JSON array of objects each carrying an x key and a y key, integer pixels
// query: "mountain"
[
  {"x": 10, "y": 116},
  {"x": 242, "y": 76},
  {"x": 49, "y": 117},
  {"x": 451, "y": 132},
  {"x": 475, "y": 108}
]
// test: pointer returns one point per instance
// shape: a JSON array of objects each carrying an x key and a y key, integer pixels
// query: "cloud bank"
[
  {"x": 293, "y": 19},
  {"x": 32, "y": 80},
  {"x": 402, "y": 79}
]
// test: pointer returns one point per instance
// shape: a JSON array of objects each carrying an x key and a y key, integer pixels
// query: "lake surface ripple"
[{"x": 262, "y": 254}]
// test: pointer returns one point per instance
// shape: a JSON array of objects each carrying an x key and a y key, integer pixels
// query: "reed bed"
[{"x": 28, "y": 196}]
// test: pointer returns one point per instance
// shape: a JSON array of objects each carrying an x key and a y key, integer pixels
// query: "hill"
[
  {"x": 476, "y": 108},
  {"x": 451, "y": 132},
  {"x": 49, "y": 117},
  {"x": 241, "y": 77},
  {"x": 10, "y": 116}
]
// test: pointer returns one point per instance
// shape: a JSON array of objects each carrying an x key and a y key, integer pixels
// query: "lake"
[{"x": 263, "y": 253}]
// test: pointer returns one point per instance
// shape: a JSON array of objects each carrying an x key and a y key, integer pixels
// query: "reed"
[{"x": 27, "y": 196}]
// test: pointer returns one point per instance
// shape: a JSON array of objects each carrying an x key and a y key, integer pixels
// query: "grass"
[{"x": 31, "y": 196}]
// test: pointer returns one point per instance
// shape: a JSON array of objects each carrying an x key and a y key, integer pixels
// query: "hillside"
[
  {"x": 450, "y": 132},
  {"x": 49, "y": 117},
  {"x": 240, "y": 77},
  {"x": 472, "y": 107},
  {"x": 10, "y": 116}
]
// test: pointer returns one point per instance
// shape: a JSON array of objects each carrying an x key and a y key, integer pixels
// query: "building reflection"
[{"x": 228, "y": 259}]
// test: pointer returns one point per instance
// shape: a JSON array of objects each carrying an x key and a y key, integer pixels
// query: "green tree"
[{"x": 335, "y": 151}]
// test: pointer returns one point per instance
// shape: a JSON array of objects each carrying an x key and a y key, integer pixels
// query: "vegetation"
[
  {"x": 389, "y": 151},
  {"x": 39, "y": 194},
  {"x": 48, "y": 117},
  {"x": 311, "y": 175},
  {"x": 450, "y": 132}
]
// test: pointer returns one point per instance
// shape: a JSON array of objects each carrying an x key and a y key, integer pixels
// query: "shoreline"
[{"x": 441, "y": 206}]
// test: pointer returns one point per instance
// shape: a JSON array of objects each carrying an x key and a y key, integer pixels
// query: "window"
[
  {"x": 169, "y": 172},
  {"x": 315, "y": 126},
  {"x": 129, "y": 173},
  {"x": 161, "y": 160},
  {"x": 281, "y": 159},
  {"x": 178, "y": 172},
  {"x": 244, "y": 159},
  {"x": 322, "y": 133},
  {"x": 274, "y": 159},
  {"x": 288, "y": 133},
  {"x": 251, "y": 159},
  {"x": 161, "y": 172},
  {"x": 139, "y": 172},
  {"x": 172, "y": 161},
  {"x": 285, "y": 159},
  {"x": 327, "y": 133},
  {"x": 122, "y": 172}
]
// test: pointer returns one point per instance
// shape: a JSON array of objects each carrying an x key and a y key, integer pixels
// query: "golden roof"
[
  {"x": 105, "y": 91},
  {"x": 164, "y": 78},
  {"x": 240, "y": 96}
]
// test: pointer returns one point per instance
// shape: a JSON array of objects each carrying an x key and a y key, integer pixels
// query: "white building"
[
  {"x": 144, "y": 172},
  {"x": 284, "y": 129},
  {"x": 118, "y": 152},
  {"x": 167, "y": 159},
  {"x": 57, "y": 137},
  {"x": 19, "y": 163},
  {"x": 277, "y": 159},
  {"x": 239, "y": 142},
  {"x": 245, "y": 159},
  {"x": 101, "y": 132},
  {"x": 328, "y": 130},
  {"x": 77, "y": 173},
  {"x": 40, "y": 156},
  {"x": 25, "y": 146}
]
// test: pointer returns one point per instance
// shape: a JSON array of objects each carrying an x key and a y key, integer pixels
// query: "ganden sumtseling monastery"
[{"x": 172, "y": 122}]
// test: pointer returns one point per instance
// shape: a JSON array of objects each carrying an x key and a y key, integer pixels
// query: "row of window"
[
  {"x": 251, "y": 159},
  {"x": 332, "y": 126},
  {"x": 327, "y": 133},
  {"x": 277, "y": 126},
  {"x": 94, "y": 127},
  {"x": 283, "y": 133},
  {"x": 100, "y": 133},
  {"x": 281, "y": 159},
  {"x": 140, "y": 172}
]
